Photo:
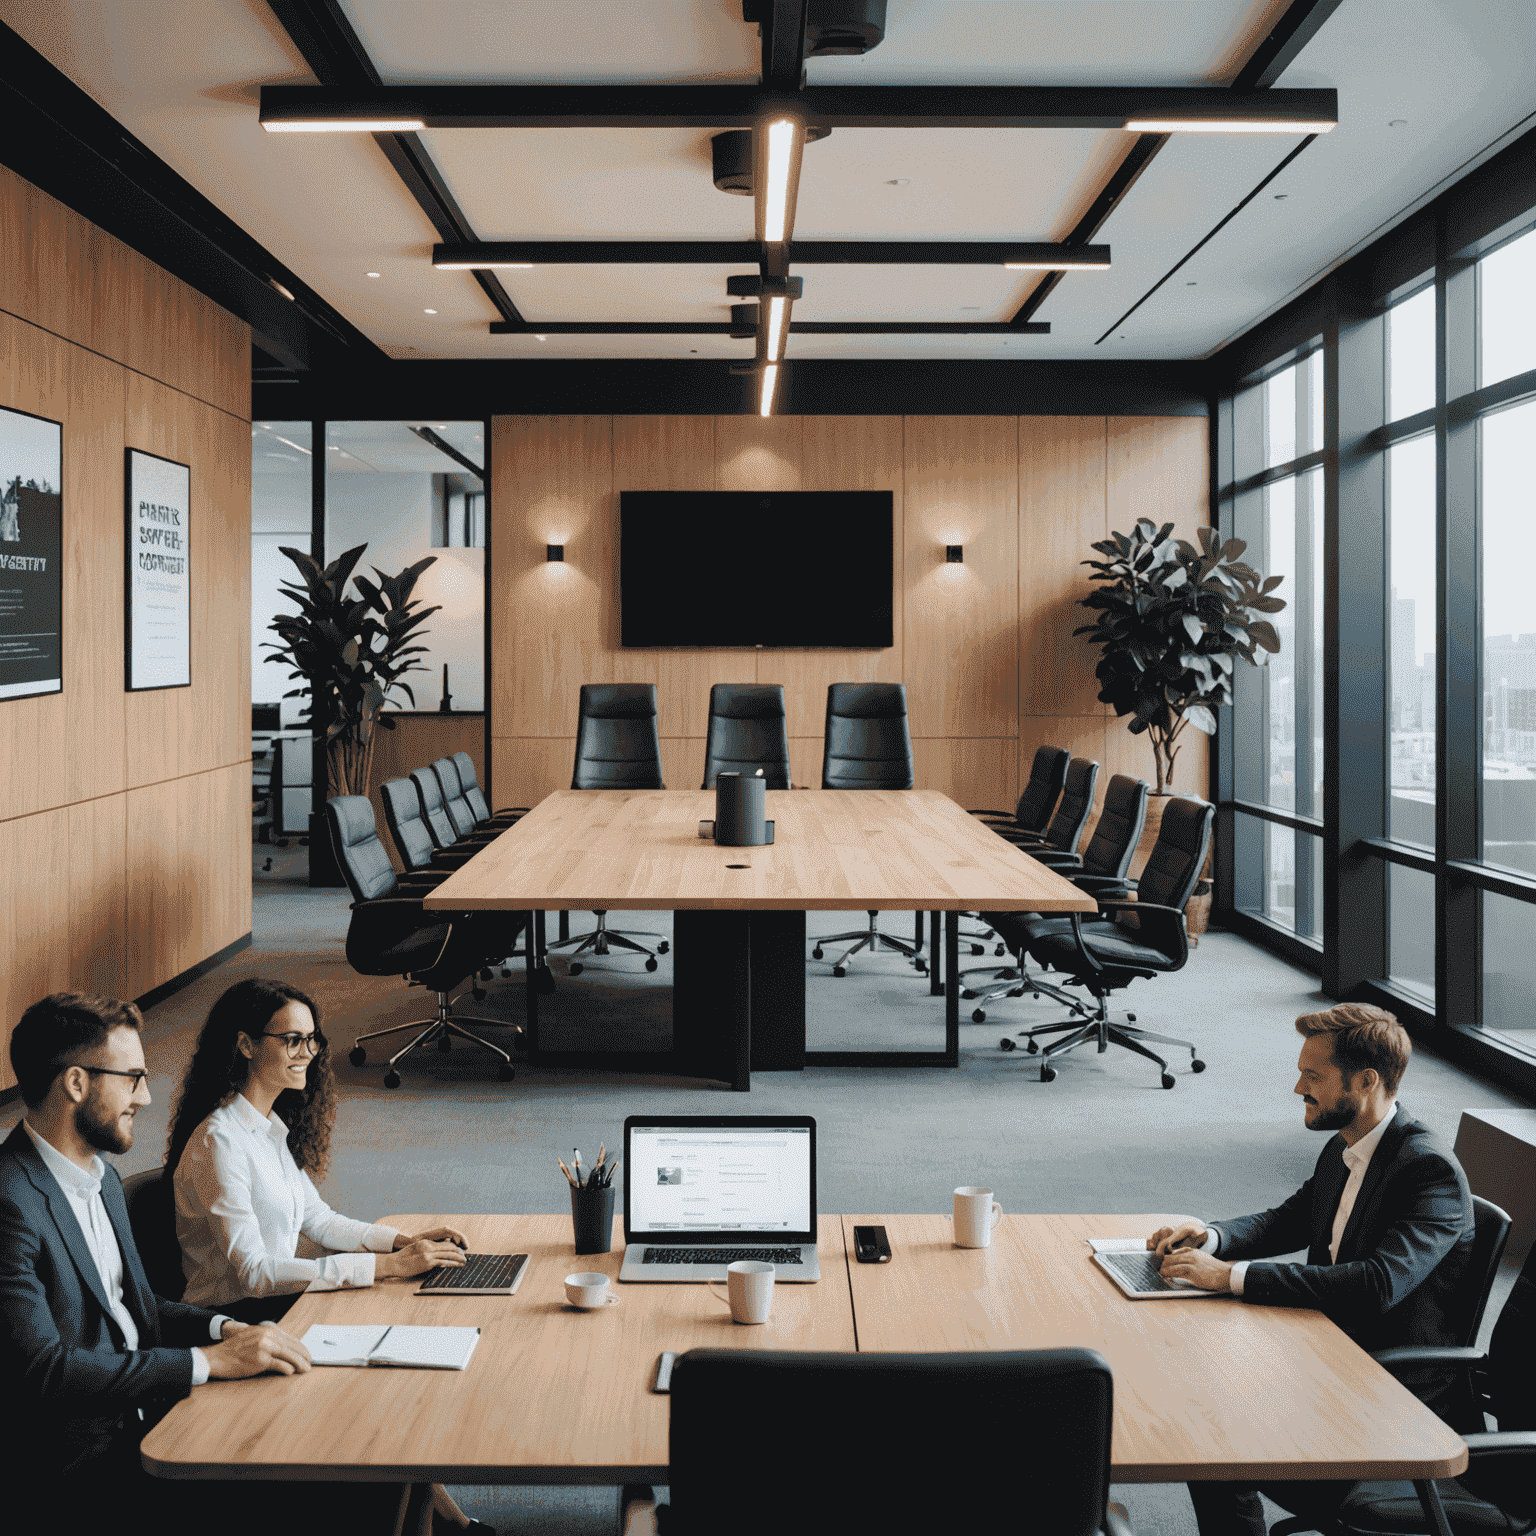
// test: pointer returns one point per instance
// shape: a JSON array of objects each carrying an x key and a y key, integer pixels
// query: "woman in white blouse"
[{"x": 252, "y": 1124}]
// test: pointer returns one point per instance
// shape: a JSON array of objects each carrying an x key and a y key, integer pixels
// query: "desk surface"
[
  {"x": 1209, "y": 1389},
  {"x": 834, "y": 850}
]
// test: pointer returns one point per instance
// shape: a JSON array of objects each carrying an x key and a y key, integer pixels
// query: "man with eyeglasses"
[{"x": 93, "y": 1356}]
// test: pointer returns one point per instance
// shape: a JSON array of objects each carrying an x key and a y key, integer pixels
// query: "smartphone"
[
  {"x": 663, "y": 1381},
  {"x": 871, "y": 1246}
]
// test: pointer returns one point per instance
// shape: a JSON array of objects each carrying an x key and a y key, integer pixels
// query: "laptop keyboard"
[
  {"x": 690, "y": 1255},
  {"x": 1139, "y": 1271},
  {"x": 478, "y": 1270}
]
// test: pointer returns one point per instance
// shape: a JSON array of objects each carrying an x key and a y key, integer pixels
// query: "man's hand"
[
  {"x": 249, "y": 1351},
  {"x": 1185, "y": 1232},
  {"x": 420, "y": 1255},
  {"x": 438, "y": 1234},
  {"x": 1201, "y": 1270}
]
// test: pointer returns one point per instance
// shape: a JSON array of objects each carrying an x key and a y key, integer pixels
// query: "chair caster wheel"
[
  {"x": 576, "y": 968},
  {"x": 1130, "y": 1018},
  {"x": 357, "y": 1055},
  {"x": 1032, "y": 1048},
  {"x": 839, "y": 970},
  {"x": 968, "y": 994},
  {"x": 979, "y": 1016},
  {"x": 1002, "y": 949},
  {"x": 1167, "y": 1079},
  {"x": 922, "y": 967},
  {"x": 1037, "y": 997},
  {"x": 544, "y": 982},
  {"x": 506, "y": 975},
  {"x": 506, "y": 1072},
  {"x": 978, "y": 949},
  {"x": 1047, "y": 1074},
  {"x": 816, "y": 953},
  {"x": 1197, "y": 1065},
  {"x": 663, "y": 947},
  {"x": 478, "y": 993},
  {"x": 485, "y": 975},
  {"x": 1005, "y": 1044},
  {"x": 650, "y": 964},
  {"x": 1016, "y": 992},
  {"x": 445, "y": 1045},
  {"x": 391, "y": 1079}
]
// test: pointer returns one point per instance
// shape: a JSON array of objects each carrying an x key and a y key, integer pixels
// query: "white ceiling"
[
  {"x": 364, "y": 447},
  {"x": 183, "y": 75}
]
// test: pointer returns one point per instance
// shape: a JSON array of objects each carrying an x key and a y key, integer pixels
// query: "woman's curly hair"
[{"x": 218, "y": 1071}]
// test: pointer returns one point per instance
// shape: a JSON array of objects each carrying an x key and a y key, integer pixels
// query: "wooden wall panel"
[
  {"x": 975, "y": 772},
  {"x": 34, "y": 918},
  {"x": 682, "y": 761},
  {"x": 98, "y": 894},
  {"x": 960, "y": 623},
  {"x": 527, "y": 768}
]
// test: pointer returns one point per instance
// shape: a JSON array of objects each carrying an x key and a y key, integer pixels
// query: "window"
[
  {"x": 280, "y": 519},
  {"x": 1507, "y": 310},
  {"x": 1411, "y": 651},
  {"x": 1411, "y": 356}
]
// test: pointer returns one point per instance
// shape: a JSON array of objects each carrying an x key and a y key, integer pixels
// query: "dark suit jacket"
[
  {"x": 1402, "y": 1258},
  {"x": 72, "y": 1380}
]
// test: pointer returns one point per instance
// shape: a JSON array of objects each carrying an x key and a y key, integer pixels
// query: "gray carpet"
[{"x": 1104, "y": 1137}]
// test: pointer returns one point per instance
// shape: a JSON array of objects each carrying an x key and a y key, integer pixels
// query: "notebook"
[
  {"x": 702, "y": 1191},
  {"x": 435, "y": 1349}
]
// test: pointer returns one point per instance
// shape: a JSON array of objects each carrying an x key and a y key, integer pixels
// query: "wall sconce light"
[
  {"x": 954, "y": 554},
  {"x": 554, "y": 551}
]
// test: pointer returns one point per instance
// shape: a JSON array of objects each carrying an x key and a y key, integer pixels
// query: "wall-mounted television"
[{"x": 755, "y": 568}]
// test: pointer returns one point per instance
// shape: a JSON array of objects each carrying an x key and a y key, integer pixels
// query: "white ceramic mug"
[
  {"x": 588, "y": 1290},
  {"x": 749, "y": 1287},
  {"x": 976, "y": 1213}
]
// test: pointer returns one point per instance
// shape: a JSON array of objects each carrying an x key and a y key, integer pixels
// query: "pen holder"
[{"x": 592, "y": 1218}]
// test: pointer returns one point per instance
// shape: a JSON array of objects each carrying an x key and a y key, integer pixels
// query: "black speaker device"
[{"x": 740, "y": 804}]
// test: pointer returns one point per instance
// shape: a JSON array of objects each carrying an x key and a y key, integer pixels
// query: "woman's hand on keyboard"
[{"x": 419, "y": 1255}]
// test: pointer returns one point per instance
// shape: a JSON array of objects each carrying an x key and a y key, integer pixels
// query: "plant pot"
[{"x": 1197, "y": 913}]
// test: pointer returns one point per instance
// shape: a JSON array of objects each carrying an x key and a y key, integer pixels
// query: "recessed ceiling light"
[
  {"x": 1398, "y": 122},
  {"x": 900, "y": 181},
  {"x": 429, "y": 311},
  {"x": 1191, "y": 285},
  {"x": 540, "y": 338},
  {"x": 1280, "y": 197},
  {"x": 373, "y": 274},
  {"x": 277, "y": 285}
]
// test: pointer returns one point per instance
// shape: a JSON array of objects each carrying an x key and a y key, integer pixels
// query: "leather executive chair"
[
  {"x": 408, "y": 831},
  {"x": 617, "y": 747},
  {"x": 434, "y": 814},
  {"x": 747, "y": 732},
  {"x": 391, "y": 934},
  {"x": 1065, "y": 830},
  {"x": 868, "y": 746},
  {"x": 1101, "y": 956},
  {"x": 781, "y": 1454},
  {"x": 469, "y": 782},
  {"x": 456, "y": 803}
]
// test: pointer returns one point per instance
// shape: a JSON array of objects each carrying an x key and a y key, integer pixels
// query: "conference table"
[
  {"x": 739, "y": 944},
  {"x": 1213, "y": 1388}
]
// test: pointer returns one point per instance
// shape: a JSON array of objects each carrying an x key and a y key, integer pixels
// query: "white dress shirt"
[
  {"x": 82, "y": 1188},
  {"x": 242, "y": 1204},
  {"x": 1357, "y": 1159}
]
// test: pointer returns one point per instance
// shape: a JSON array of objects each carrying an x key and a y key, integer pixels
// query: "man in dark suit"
[{"x": 1385, "y": 1219}]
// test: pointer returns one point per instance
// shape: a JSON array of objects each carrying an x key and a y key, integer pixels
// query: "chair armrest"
[
  {"x": 1105, "y": 887},
  {"x": 1428, "y": 1354},
  {"x": 1170, "y": 919},
  {"x": 1005, "y": 815},
  {"x": 1116, "y": 1521},
  {"x": 1499, "y": 1444},
  {"x": 1056, "y": 858}
]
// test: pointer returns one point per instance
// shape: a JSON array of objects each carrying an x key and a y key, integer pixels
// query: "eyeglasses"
[
  {"x": 296, "y": 1043},
  {"x": 139, "y": 1077}
]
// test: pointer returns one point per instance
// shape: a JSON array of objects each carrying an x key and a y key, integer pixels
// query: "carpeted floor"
[{"x": 1104, "y": 1137}]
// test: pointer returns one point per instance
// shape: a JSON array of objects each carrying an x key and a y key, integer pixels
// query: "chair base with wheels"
[
  {"x": 869, "y": 938},
  {"x": 598, "y": 942},
  {"x": 439, "y": 1031},
  {"x": 1096, "y": 1026}
]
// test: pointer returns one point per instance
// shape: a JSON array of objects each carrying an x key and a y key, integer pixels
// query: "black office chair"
[
  {"x": 747, "y": 732},
  {"x": 408, "y": 831},
  {"x": 152, "y": 1220},
  {"x": 764, "y": 1440},
  {"x": 1101, "y": 955},
  {"x": 1497, "y": 1492},
  {"x": 1047, "y": 775},
  {"x": 456, "y": 803},
  {"x": 868, "y": 746},
  {"x": 470, "y": 783},
  {"x": 439, "y": 825},
  {"x": 392, "y": 934},
  {"x": 1101, "y": 868},
  {"x": 617, "y": 747},
  {"x": 1065, "y": 829}
]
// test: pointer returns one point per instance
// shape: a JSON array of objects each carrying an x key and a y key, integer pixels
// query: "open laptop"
[
  {"x": 702, "y": 1191},
  {"x": 1135, "y": 1271}
]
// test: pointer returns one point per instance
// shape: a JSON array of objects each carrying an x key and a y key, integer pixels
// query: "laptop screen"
[{"x": 686, "y": 1179}]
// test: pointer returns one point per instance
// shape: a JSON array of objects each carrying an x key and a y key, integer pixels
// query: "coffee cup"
[
  {"x": 749, "y": 1290},
  {"x": 976, "y": 1213},
  {"x": 588, "y": 1290}
]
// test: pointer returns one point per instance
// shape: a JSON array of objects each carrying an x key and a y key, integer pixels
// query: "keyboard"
[
  {"x": 1139, "y": 1272},
  {"x": 478, "y": 1272},
  {"x": 691, "y": 1255}
]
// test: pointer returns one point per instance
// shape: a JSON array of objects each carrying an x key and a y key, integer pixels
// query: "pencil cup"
[
  {"x": 592, "y": 1217},
  {"x": 976, "y": 1213}
]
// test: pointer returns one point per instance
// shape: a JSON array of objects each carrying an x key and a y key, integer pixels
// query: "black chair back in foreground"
[
  {"x": 1047, "y": 774},
  {"x": 392, "y": 934},
  {"x": 617, "y": 744},
  {"x": 469, "y": 780},
  {"x": 152, "y": 1220},
  {"x": 780, "y": 1454},
  {"x": 747, "y": 732},
  {"x": 868, "y": 741}
]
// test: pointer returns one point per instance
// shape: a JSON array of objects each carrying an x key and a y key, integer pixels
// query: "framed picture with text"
[
  {"x": 31, "y": 555},
  {"x": 158, "y": 600}
]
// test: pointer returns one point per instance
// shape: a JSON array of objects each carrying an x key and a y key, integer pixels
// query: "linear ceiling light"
[
  {"x": 770, "y": 378},
  {"x": 483, "y": 266},
  {"x": 1056, "y": 265},
  {"x": 345, "y": 125},
  {"x": 777, "y": 309},
  {"x": 781, "y": 141},
  {"x": 1229, "y": 125}
]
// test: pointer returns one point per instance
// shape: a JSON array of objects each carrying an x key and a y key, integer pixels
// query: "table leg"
[
  {"x": 935, "y": 969},
  {"x": 951, "y": 989},
  {"x": 534, "y": 943},
  {"x": 565, "y": 926},
  {"x": 1434, "y": 1510},
  {"x": 917, "y": 931},
  {"x": 741, "y": 1003}
]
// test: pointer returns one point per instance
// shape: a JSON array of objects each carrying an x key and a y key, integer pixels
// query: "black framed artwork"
[
  {"x": 158, "y": 599},
  {"x": 31, "y": 555}
]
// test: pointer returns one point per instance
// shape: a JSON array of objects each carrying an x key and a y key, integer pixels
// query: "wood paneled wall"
[
  {"x": 125, "y": 816},
  {"x": 985, "y": 648}
]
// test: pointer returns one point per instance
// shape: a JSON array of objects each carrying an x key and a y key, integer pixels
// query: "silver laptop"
[
  {"x": 702, "y": 1191},
  {"x": 1137, "y": 1275}
]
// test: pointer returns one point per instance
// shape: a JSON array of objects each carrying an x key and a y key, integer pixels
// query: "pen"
[
  {"x": 611, "y": 1169},
  {"x": 579, "y": 1184},
  {"x": 567, "y": 1172}
]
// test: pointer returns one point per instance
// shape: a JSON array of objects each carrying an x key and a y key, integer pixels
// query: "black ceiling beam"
[
  {"x": 958, "y": 253},
  {"x": 783, "y": 32},
  {"x": 742, "y": 106},
  {"x": 1289, "y": 35},
  {"x": 427, "y": 435},
  {"x": 796, "y": 328}
]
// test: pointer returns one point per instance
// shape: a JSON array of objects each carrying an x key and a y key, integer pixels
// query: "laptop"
[
  {"x": 702, "y": 1191},
  {"x": 1136, "y": 1273}
]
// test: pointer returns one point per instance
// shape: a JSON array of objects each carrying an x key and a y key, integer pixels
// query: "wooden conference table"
[
  {"x": 739, "y": 944},
  {"x": 1203, "y": 1389}
]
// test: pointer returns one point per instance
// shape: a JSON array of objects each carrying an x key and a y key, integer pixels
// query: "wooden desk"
[
  {"x": 1203, "y": 1389},
  {"x": 834, "y": 850},
  {"x": 552, "y": 1395}
]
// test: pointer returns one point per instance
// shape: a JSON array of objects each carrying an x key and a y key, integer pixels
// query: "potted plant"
[{"x": 350, "y": 651}]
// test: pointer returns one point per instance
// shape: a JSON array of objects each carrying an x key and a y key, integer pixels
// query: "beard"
[
  {"x": 101, "y": 1131},
  {"x": 1337, "y": 1118}
]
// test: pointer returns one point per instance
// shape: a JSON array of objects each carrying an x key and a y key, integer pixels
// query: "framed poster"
[
  {"x": 31, "y": 555},
  {"x": 158, "y": 602}
]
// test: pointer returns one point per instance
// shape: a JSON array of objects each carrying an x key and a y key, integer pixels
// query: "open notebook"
[{"x": 437, "y": 1349}]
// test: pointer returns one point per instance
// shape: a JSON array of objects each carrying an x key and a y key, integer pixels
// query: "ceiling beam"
[
  {"x": 1295, "y": 29},
  {"x": 884, "y": 253},
  {"x": 783, "y": 33},
  {"x": 743, "y": 106},
  {"x": 427, "y": 435},
  {"x": 796, "y": 328}
]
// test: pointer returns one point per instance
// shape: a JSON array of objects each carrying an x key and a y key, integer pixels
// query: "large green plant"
[
  {"x": 1172, "y": 616},
  {"x": 350, "y": 650}
]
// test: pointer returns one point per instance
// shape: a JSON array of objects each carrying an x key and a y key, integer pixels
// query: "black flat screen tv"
[{"x": 755, "y": 568}]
